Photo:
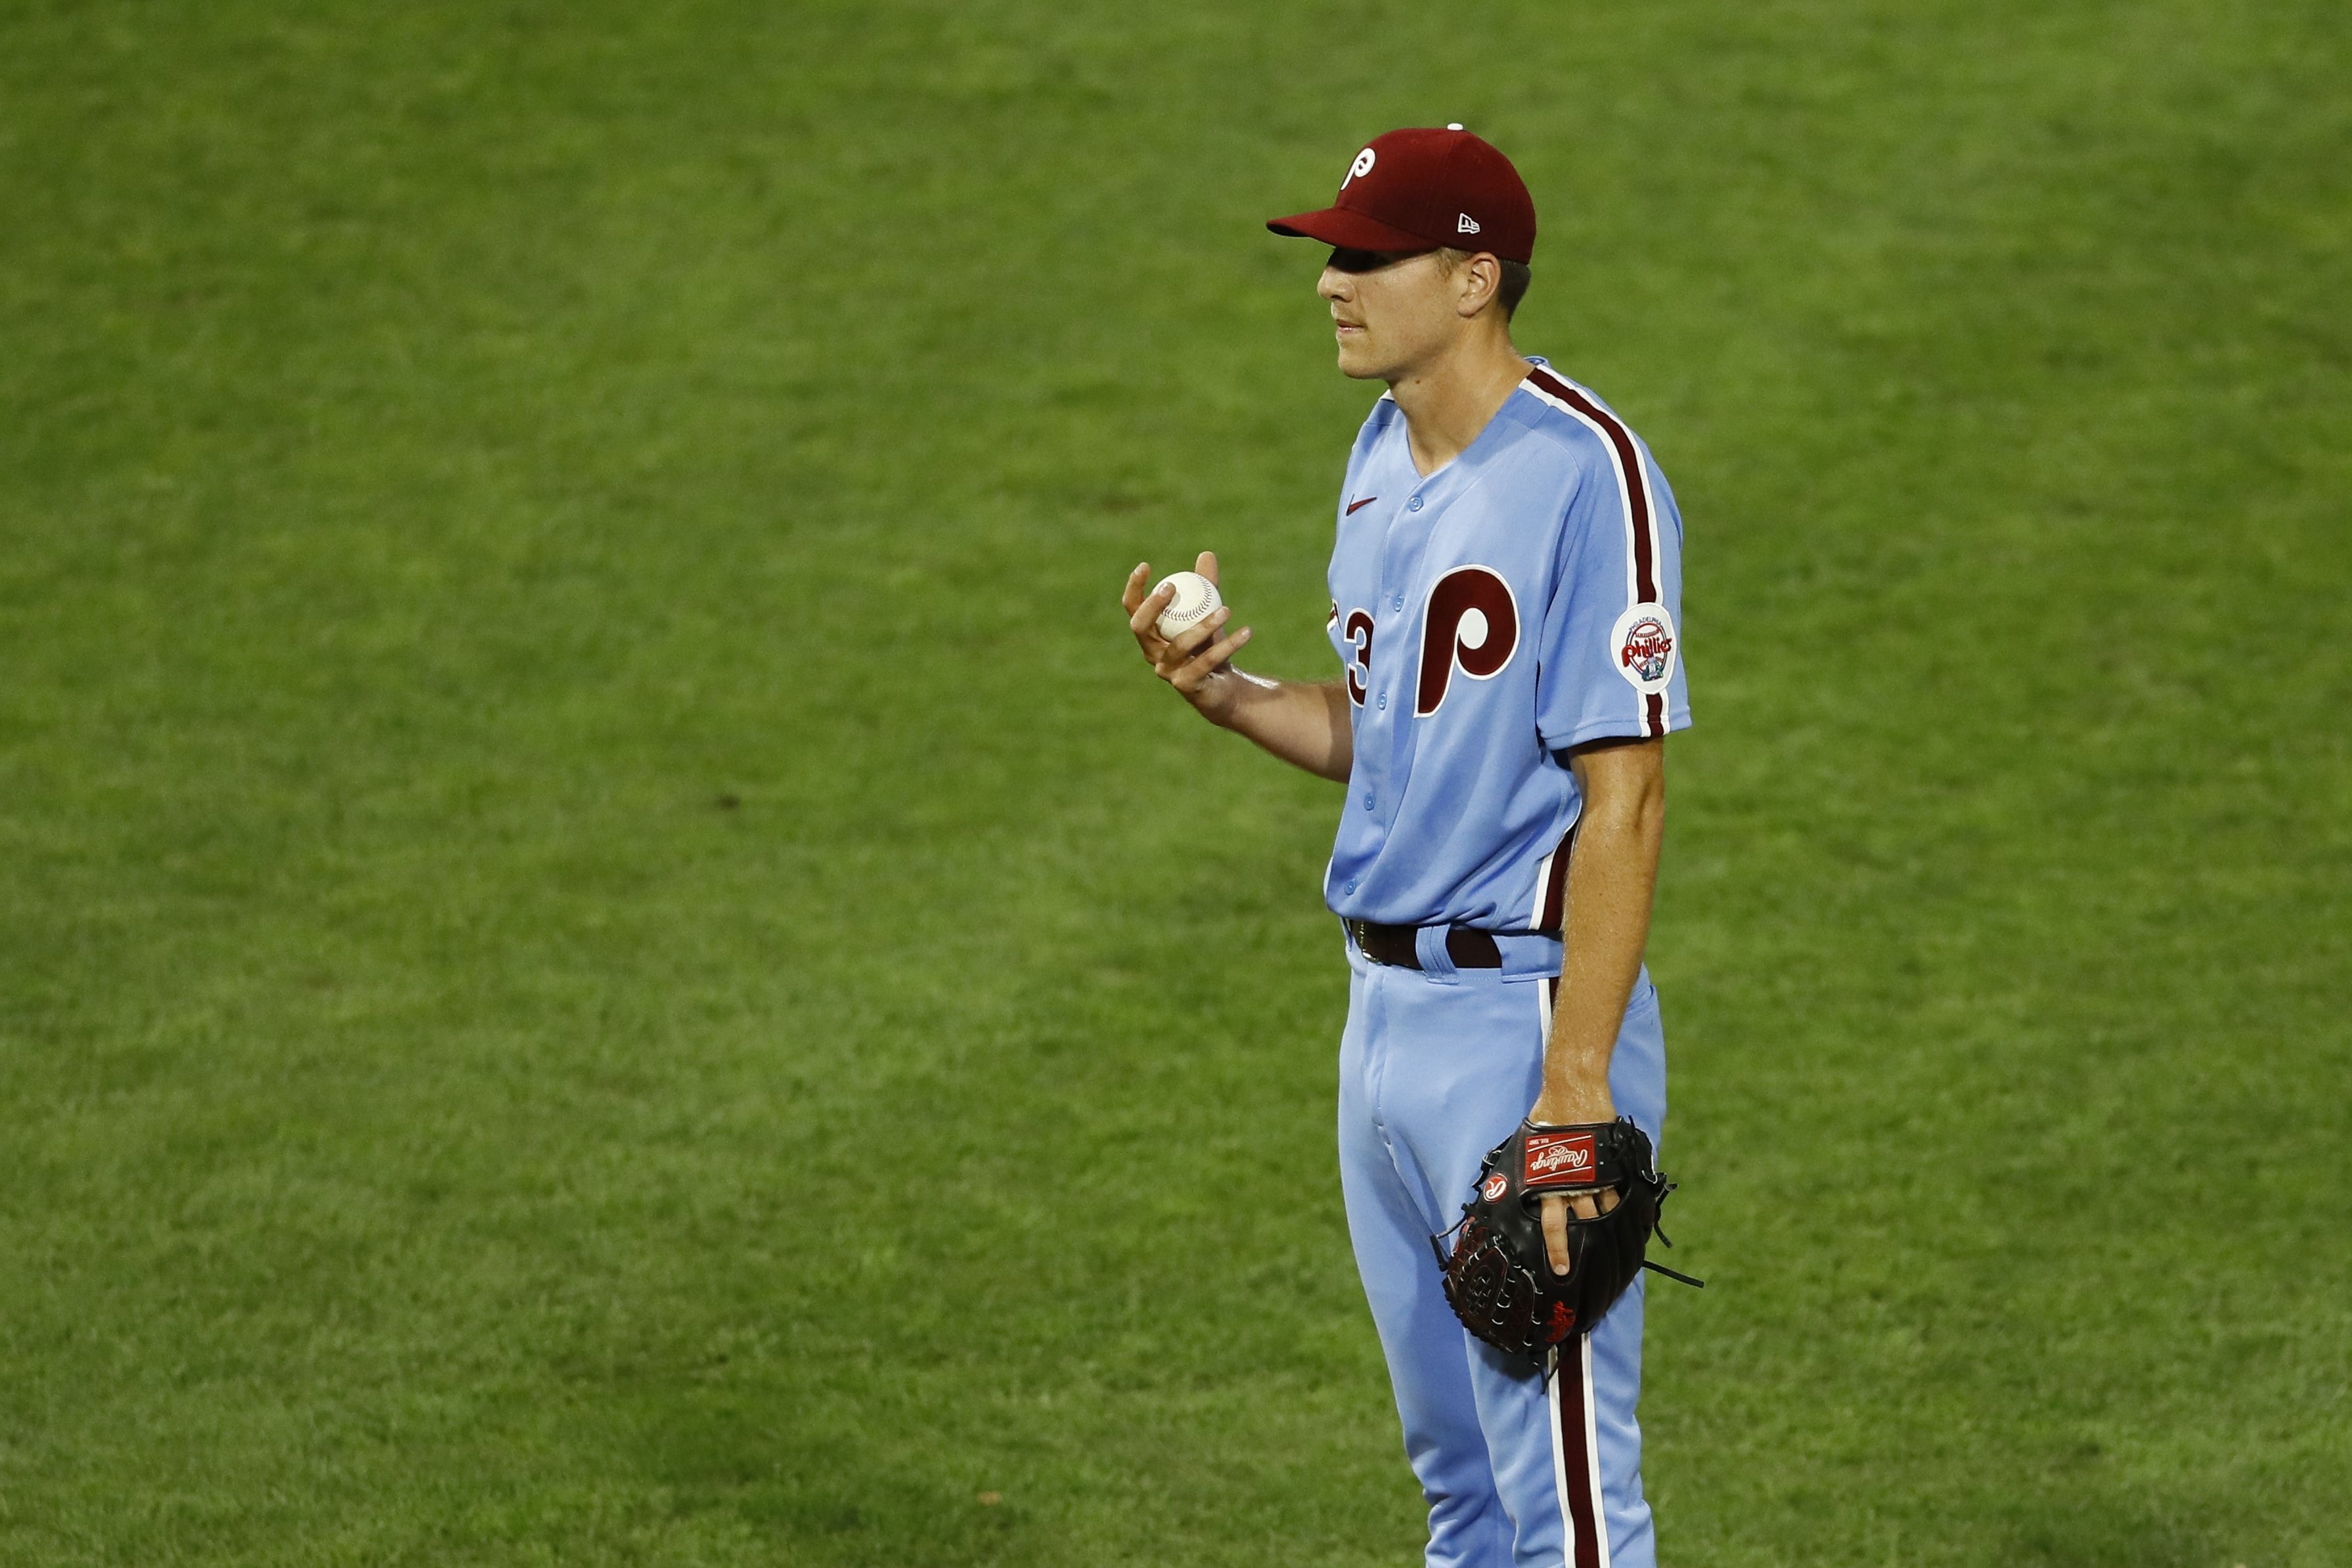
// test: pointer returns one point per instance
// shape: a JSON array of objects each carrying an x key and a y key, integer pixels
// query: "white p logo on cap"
[{"x": 1360, "y": 168}]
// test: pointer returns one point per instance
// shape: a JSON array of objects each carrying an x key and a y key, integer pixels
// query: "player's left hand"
[
  {"x": 1556, "y": 1208},
  {"x": 1563, "y": 1105},
  {"x": 1508, "y": 1275}
]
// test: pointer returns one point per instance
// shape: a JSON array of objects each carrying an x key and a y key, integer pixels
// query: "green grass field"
[{"x": 606, "y": 955}]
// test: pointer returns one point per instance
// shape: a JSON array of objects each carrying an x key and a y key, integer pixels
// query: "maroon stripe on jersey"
[
  {"x": 1654, "y": 707},
  {"x": 1555, "y": 903},
  {"x": 1576, "y": 1464},
  {"x": 1629, "y": 473}
]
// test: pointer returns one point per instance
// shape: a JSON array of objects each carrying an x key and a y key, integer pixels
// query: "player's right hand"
[{"x": 1198, "y": 662}]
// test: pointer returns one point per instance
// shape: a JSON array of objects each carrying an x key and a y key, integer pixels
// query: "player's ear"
[{"x": 1478, "y": 278}]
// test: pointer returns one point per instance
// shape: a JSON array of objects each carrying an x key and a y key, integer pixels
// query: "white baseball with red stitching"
[{"x": 1196, "y": 600}]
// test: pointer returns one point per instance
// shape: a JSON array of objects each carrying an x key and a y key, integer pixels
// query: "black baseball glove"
[{"x": 1499, "y": 1277}]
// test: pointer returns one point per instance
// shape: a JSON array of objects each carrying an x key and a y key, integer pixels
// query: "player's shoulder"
[{"x": 1569, "y": 421}]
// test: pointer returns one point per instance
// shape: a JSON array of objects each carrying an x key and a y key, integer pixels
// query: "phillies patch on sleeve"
[{"x": 1645, "y": 645}]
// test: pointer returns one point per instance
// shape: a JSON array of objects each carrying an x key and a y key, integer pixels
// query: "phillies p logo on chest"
[{"x": 1472, "y": 623}]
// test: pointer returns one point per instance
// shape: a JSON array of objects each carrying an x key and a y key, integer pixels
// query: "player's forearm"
[
  {"x": 1305, "y": 723},
  {"x": 1613, "y": 873}
]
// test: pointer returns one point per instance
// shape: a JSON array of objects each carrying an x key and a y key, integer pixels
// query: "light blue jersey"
[{"x": 1521, "y": 600}]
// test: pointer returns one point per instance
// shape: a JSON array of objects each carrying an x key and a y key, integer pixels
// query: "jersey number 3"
[
  {"x": 1359, "y": 634},
  {"x": 1473, "y": 623}
]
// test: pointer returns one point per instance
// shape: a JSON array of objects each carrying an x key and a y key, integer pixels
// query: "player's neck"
[{"x": 1449, "y": 400}]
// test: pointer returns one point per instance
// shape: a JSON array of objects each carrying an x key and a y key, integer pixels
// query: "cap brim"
[{"x": 1349, "y": 231}]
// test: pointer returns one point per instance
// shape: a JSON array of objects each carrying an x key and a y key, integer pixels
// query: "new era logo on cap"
[{"x": 1416, "y": 190}]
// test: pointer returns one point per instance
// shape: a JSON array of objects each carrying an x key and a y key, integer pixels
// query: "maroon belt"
[{"x": 1469, "y": 947}]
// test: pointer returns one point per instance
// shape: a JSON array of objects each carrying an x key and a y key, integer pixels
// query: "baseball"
[{"x": 1196, "y": 600}]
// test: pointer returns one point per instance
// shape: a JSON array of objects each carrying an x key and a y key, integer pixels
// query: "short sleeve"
[{"x": 1611, "y": 657}]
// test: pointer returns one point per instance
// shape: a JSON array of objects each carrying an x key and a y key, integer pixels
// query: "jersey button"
[
  {"x": 1351, "y": 887},
  {"x": 1413, "y": 504},
  {"x": 1368, "y": 803},
  {"x": 1384, "y": 703},
  {"x": 1398, "y": 603}
]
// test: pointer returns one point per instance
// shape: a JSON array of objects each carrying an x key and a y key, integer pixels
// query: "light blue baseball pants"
[{"x": 1519, "y": 1470}]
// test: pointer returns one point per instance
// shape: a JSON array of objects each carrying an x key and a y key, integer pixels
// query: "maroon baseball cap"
[{"x": 1416, "y": 190}]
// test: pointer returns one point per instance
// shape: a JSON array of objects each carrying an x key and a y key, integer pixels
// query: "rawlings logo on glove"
[
  {"x": 1498, "y": 1276},
  {"x": 1558, "y": 1159}
]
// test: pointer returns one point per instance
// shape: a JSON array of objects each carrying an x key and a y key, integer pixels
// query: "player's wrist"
[
  {"x": 1572, "y": 1105},
  {"x": 1216, "y": 698},
  {"x": 1235, "y": 694}
]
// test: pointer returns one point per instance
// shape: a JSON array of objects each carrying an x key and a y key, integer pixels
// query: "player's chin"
[{"x": 1357, "y": 359}]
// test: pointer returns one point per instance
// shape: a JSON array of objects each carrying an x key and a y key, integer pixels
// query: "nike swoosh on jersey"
[{"x": 1355, "y": 506}]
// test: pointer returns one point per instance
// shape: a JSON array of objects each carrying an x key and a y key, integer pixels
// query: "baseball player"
[{"x": 1503, "y": 583}]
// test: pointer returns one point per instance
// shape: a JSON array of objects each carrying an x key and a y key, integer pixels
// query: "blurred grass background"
[{"x": 606, "y": 956}]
